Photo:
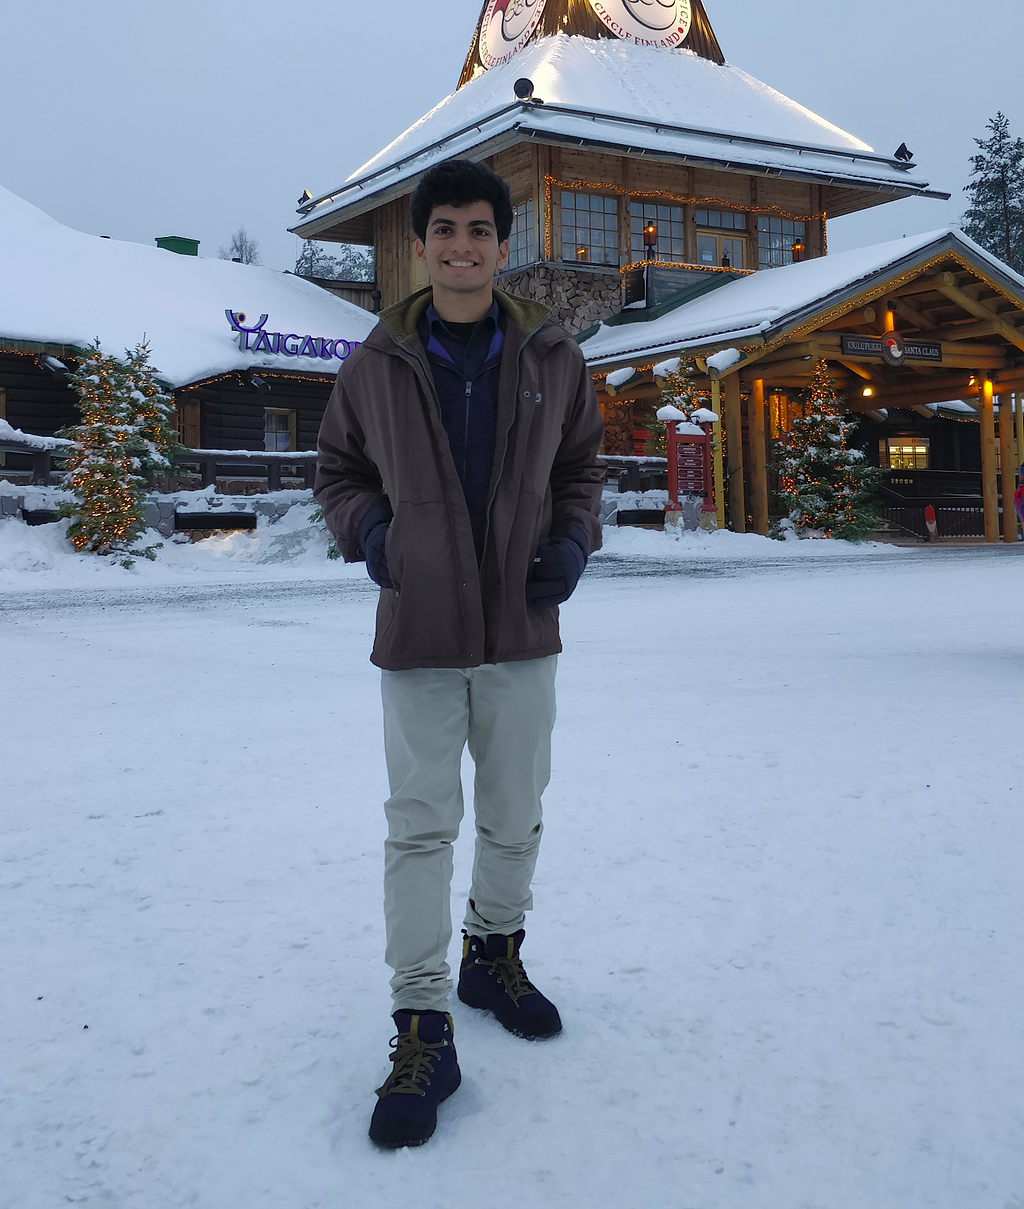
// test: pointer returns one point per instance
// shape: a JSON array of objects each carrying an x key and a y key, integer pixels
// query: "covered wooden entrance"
[{"x": 942, "y": 322}]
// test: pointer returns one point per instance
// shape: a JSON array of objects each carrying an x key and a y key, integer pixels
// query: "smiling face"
[{"x": 462, "y": 252}]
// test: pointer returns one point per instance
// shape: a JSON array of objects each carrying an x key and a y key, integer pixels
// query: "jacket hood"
[{"x": 401, "y": 319}]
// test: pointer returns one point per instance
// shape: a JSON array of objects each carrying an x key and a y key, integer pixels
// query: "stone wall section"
[{"x": 578, "y": 298}]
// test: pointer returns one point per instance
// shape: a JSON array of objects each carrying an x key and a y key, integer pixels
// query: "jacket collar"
[{"x": 397, "y": 324}]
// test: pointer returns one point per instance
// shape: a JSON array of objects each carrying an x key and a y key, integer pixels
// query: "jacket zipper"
[{"x": 508, "y": 432}]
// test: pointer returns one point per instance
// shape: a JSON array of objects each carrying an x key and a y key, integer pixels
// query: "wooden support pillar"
[
  {"x": 716, "y": 450},
  {"x": 758, "y": 458},
  {"x": 989, "y": 487},
  {"x": 734, "y": 440},
  {"x": 1020, "y": 429},
  {"x": 1007, "y": 454}
]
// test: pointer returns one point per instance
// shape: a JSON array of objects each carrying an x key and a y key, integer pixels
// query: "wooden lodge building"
[
  {"x": 250, "y": 354},
  {"x": 669, "y": 204}
]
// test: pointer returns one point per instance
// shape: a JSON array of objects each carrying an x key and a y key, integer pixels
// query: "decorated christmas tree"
[
  {"x": 107, "y": 473},
  {"x": 155, "y": 416},
  {"x": 825, "y": 486}
]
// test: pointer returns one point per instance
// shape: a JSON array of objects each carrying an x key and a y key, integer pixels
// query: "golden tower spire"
[{"x": 506, "y": 26}]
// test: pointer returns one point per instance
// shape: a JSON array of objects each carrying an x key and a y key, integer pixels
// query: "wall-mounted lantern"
[{"x": 650, "y": 239}]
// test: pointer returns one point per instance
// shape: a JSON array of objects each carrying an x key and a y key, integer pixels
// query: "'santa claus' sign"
[
  {"x": 506, "y": 28},
  {"x": 647, "y": 22}
]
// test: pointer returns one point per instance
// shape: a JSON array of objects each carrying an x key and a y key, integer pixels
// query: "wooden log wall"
[{"x": 37, "y": 401}]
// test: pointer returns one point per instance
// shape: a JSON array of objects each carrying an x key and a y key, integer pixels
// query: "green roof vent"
[{"x": 179, "y": 244}]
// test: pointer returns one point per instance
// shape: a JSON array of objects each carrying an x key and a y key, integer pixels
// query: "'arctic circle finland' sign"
[
  {"x": 647, "y": 22},
  {"x": 257, "y": 340},
  {"x": 506, "y": 28}
]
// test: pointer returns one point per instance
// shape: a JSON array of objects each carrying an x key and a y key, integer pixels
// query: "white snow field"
[{"x": 779, "y": 901}]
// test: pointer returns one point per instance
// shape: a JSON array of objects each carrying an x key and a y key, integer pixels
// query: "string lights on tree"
[
  {"x": 124, "y": 439},
  {"x": 825, "y": 486}
]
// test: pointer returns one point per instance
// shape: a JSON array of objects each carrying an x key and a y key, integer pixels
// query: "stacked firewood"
[{"x": 618, "y": 428}]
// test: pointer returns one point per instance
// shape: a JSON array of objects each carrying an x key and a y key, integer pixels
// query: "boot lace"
[
  {"x": 513, "y": 976},
  {"x": 413, "y": 1060}
]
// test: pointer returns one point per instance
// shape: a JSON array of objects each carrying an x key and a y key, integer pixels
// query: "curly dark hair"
[{"x": 460, "y": 183}]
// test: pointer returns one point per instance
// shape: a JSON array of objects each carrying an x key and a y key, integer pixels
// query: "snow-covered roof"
[
  {"x": 63, "y": 287},
  {"x": 765, "y": 304},
  {"x": 643, "y": 99}
]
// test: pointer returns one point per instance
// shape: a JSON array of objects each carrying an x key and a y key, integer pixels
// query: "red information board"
[{"x": 689, "y": 463}]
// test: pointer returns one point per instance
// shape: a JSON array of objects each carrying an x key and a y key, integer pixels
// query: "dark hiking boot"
[
  {"x": 492, "y": 977},
  {"x": 425, "y": 1072}
]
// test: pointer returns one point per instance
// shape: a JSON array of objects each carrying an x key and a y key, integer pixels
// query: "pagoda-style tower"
[
  {"x": 514, "y": 24},
  {"x": 639, "y": 160}
]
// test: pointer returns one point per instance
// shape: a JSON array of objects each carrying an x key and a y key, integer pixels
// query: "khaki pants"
[{"x": 505, "y": 712}]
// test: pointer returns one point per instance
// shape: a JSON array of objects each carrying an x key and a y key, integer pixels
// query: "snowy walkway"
[{"x": 779, "y": 902}]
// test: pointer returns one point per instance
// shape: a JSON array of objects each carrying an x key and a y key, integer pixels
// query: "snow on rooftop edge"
[
  {"x": 749, "y": 305},
  {"x": 618, "y": 77},
  {"x": 608, "y": 78},
  {"x": 66, "y": 287}
]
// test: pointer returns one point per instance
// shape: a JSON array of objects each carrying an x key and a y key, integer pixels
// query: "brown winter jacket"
[{"x": 382, "y": 434}]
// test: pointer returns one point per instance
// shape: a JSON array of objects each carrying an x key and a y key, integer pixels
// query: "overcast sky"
[{"x": 137, "y": 119}]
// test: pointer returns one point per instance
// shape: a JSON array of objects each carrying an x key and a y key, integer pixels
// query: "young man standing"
[{"x": 458, "y": 458}]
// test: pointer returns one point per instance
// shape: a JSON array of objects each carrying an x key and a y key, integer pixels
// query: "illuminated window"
[
  {"x": 775, "y": 240},
  {"x": 590, "y": 228},
  {"x": 522, "y": 240},
  {"x": 278, "y": 430},
  {"x": 905, "y": 453},
  {"x": 671, "y": 231}
]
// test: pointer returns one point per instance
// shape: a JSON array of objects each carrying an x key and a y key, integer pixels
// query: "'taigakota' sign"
[{"x": 257, "y": 339}]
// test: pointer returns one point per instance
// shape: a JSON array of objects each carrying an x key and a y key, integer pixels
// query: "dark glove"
[
  {"x": 373, "y": 531},
  {"x": 557, "y": 566}
]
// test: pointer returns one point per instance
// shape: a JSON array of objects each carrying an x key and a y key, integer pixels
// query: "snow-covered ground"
[{"x": 778, "y": 903}]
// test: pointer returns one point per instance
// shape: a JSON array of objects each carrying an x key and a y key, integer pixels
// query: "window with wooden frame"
[
  {"x": 671, "y": 238},
  {"x": 522, "y": 239},
  {"x": 721, "y": 239},
  {"x": 278, "y": 430},
  {"x": 590, "y": 228},
  {"x": 775, "y": 240}
]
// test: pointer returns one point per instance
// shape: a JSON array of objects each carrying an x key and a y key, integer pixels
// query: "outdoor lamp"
[
  {"x": 650, "y": 239},
  {"x": 798, "y": 251}
]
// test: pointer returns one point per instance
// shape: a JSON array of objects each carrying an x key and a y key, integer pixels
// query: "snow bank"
[
  {"x": 41, "y": 556},
  {"x": 723, "y": 543}
]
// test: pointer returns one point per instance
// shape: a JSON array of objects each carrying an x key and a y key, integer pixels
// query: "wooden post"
[
  {"x": 989, "y": 489},
  {"x": 1020, "y": 430},
  {"x": 758, "y": 458},
  {"x": 734, "y": 437},
  {"x": 1006, "y": 458},
  {"x": 716, "y": 446}
]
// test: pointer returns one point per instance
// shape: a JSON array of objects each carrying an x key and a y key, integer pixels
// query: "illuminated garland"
[
  {"x": 551, "y": 182},
  {"x": 682, "y": 264}
]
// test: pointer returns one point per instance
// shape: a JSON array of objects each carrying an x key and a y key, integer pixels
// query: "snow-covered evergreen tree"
[
  {"x": 995, "y": 217},
  {"x": 155, "y": 416},
  {"x": 106, "y": 472},
  {"x": 826, "y": 487},
  {"x": 352, "y": 262}
]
